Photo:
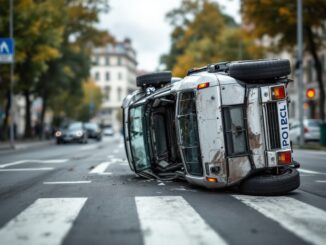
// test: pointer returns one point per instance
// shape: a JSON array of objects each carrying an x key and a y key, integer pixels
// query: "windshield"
[
  {"x": 189, "y": 133},
  {"x": 137, "y": 139},
  {"x": 73, "y": 126}
]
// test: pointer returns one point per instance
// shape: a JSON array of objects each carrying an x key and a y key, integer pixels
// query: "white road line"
[
  {"x": 24, "y": 169},
  {"x": 67, "y": 182},
  {"x": 306, "y": 171},
  {"x": 320, "y": 181},
  {"x": 171, "y": 220},
  {"x": 46, "y": 221},
  {"x": 33, "y": 161},
  {"x": 304, "y": 220},
  {"x": 100, "y": 169}
]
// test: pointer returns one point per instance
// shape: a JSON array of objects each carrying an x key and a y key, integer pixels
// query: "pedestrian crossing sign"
[{"x": 7, "y": 50}]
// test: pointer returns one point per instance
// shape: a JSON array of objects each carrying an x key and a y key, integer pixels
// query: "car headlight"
[
  {"x": 79, "y": 133},
  {"x": 58, "y": 134}
]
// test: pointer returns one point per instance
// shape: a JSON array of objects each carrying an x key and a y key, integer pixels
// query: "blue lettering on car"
[{"x": 284, "y": 126}]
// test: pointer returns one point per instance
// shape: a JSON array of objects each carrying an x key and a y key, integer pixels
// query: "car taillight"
[
  {"x": 306, "y": 130},
  {"x": 202, "y": 85},
  {"x": 284, "y": 158},
  {"x": 212, "y": 180},
  {"x": 278, "y": 93}
]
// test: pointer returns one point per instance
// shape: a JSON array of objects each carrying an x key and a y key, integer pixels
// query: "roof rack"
[{"x": 217, "y": 67}]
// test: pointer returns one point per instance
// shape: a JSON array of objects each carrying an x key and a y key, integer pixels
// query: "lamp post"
[{"x": 300, "y": 71}]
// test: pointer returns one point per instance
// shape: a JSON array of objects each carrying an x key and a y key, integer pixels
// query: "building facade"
[{"x": 114, "y": 71}]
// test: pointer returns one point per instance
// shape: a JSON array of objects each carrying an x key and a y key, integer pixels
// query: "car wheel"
[
  {"x": 271, "y": 184},
  {"x": 156, "y": 79},
  {"x": 253, "y": 71}
]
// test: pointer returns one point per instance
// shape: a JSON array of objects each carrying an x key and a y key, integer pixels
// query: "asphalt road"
[{"x": 86, "y": 194}]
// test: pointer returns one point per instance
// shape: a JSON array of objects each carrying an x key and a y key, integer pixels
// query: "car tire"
[
  {"x": 156, "y": 79},
  {"x": 254, "y": 71},
  {"x": 271, "y": 185}
]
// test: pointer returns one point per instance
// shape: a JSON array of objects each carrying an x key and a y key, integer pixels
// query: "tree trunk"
[
  {"x": 28, "y": 123},
  {"x": 44, "y": 107},
  {"x": 4, "y": 133},
  {"x": 319, "y": 71}
]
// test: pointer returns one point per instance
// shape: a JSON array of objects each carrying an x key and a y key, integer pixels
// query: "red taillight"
[
  {"x": 305, "y": 130},
  {"x": 284, "y": 158},
  {"x": 202, "y": 85},
  {"x": 278, "y": 93}
]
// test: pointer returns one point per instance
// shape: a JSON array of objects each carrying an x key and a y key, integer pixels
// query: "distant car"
[
  {"x": 311, "y": 131},
  {"x": 108, "y": 131},
  {"x": 94, "y": 131},
  {"x": 73, "y": 132}
]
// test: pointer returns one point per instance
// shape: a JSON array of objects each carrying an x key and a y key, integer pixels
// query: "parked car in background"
[
  {"x": 311, "y": 131},
  {"x": 94, "y": 131},
  {"x": 108, "y": 131},
  {"x": 72, "y": 132}
]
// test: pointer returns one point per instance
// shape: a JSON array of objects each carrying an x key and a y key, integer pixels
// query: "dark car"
[
  {"x": 73, "y": 132},
  {"x": 94, "y": 131}
]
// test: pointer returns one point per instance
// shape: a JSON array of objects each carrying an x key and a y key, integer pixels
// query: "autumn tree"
[
  {"x": 203, "y": 34},
  {"x": 278, "y": 19}
]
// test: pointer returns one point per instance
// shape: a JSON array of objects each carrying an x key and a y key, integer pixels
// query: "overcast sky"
[{"x": 144, "y": 22}]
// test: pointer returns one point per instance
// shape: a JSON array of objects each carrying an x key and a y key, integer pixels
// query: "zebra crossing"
[{"x": 163, "y": 220}]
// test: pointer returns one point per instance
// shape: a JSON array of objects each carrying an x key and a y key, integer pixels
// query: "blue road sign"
[{"x": 7, "y": 50}]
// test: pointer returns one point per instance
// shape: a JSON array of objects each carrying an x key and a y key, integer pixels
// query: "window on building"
[
  {"x": 107, "y": 60},
  {"x": 119, "y": 94},
  {"x": 119, "y": 76},
  {"x": 119, "y": 61},
  {"x": 107, "y": 76},
  {"x": 107, "y": 93},
  {"x": 97, "y": 76}
]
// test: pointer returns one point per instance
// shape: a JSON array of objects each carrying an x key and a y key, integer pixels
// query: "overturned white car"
[{"x": 222, "y": 125}]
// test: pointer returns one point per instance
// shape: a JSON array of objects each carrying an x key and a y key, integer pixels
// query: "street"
[{"x": 86, "y": 194}]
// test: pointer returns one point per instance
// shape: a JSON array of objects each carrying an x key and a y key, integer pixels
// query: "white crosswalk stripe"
[
  {"x": 304, "y": 220},
  {"x": 100, "y": 169},
  {"x": 171, "y": 220},
  {"x": 46, "y": 221}
]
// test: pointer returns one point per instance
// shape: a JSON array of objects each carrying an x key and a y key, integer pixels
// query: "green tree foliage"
[
  {"x": 202, "y": 34},
  {"x": 278, "y": 19},
  {"x": 53, "y": 42}
]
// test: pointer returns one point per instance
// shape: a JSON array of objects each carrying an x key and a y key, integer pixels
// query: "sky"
[{"x": 144, "y": 22}]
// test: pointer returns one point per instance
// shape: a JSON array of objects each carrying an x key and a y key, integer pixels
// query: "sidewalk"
[{"x": 21, "y": 145}]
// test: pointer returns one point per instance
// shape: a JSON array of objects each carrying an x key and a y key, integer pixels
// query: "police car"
[{"x": 224, "y": 124}]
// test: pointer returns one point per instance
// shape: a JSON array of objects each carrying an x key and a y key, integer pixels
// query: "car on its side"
[
  {"x": 224, "y": 124},
  {"x": 93, "y": 131},
  {"x": 311, "y": 131},
  {"x": 72, "y": 132}
]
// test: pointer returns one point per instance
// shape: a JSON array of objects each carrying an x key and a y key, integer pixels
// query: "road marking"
[
  {"x": 33, "y": 161},
  {"x": 24, "y": 169},
  {"x": 306, "y": 171},
  {"x": 171, "y": 220},
  {"x": 100, "y": 169},
  {"x": 304, "y": 220},
  {"x": 67, "y": 182},
  {"x": 115, "y": 151},
  {"x": 110, "y": 156},
  {"x": 46, "y": 221},
  {"x": 89, "y": 147},
  {"x": 321, "y": 181}
]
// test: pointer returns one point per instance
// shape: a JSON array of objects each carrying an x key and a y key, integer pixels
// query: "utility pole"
[
  {"x": 11, "y": 31},
  {"x": 300, "y": 70}
]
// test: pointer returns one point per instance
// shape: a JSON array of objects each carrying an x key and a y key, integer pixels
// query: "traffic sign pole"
[{"x": 12, "y": 131}]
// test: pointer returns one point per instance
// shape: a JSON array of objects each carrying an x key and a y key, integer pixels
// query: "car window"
[
  {"x": 139, "y": 148},
  {"x": 314, "y": 124},
  {"x": 91, "y": 126}
]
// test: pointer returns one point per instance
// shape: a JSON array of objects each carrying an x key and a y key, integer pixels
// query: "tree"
[
  {"x": 202, "y": 35},
  {"x": 277, "y": 19}
]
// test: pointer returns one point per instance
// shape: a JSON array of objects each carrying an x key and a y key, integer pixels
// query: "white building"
[{"x": 114, "y": 70}]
